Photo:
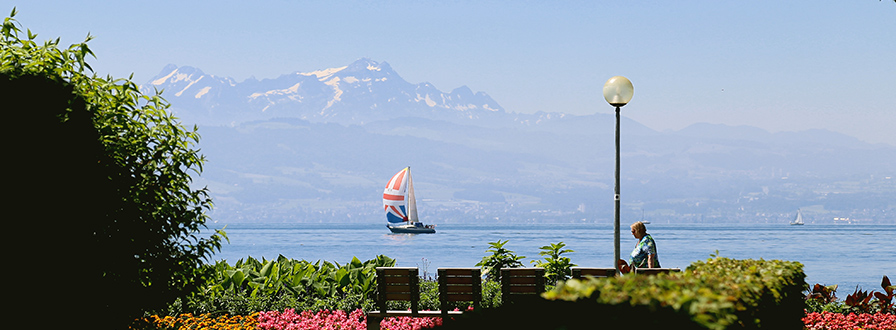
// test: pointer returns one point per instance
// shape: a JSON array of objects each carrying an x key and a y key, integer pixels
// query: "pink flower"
[
  {"x": 836, "y": 321},
  {"x": 326, "y": 320}
]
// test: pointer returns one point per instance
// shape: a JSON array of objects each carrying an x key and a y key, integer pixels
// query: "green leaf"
[{"x": 266, "y": 269}]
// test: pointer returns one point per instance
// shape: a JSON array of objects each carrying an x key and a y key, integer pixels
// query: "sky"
[{"x": 777, "y": 65}]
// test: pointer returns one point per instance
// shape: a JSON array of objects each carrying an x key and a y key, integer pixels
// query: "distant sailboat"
[
  {"x": 646, "y": 222},
  {"x": 799, "y": 218},
  {"x": 401, "y": 205}
]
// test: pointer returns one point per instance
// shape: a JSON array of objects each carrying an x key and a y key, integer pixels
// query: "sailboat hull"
[{"x": 411, "y": 229}]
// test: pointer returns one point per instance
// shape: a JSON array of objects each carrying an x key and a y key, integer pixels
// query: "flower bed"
[
  {"x": 837, "y": 321},
  {"x": 291, "y": 320},
  {"x": 202, "y": 321}
]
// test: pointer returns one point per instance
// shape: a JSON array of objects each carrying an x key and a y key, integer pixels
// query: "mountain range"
[
  {"x": 359, "y": 93},
  {"x": 318, "y": 146}
]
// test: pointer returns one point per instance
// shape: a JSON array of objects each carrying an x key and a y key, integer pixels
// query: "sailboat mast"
[{"x": 412, "y": 200}]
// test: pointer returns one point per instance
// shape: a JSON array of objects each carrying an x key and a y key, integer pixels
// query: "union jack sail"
[{"x": 398, "y": 198}]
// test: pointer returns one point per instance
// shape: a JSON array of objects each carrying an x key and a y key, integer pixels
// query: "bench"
[
  {"x": 403, "y": 284},
  {"x": 459, "y": 284},
  {"x": 521, "y": 283},
  {"x": 654, "y": 271},
  {"x": 581, "y": 272}
]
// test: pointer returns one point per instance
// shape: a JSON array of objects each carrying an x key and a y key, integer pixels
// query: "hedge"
[{"x": 718, "y": 293}]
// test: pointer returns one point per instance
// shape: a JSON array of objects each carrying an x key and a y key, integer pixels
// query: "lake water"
[{"x": 847, "y": 255}]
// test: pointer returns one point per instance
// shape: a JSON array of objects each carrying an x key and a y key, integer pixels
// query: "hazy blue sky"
[{"x": 778, "y": 65}]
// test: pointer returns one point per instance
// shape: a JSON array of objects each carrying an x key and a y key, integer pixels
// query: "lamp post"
[{"x": 618, "y": 92}]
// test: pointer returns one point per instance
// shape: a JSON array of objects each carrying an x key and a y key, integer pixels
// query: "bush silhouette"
[{"x": 105, "y": 221}]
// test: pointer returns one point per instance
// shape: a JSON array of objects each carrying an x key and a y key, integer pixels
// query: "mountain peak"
[
  {"x": 168, "y": 68},
  {"x": 365, "y": 64},
  {"x": 463, "y": 91},
  {"x": 172, "y": 73}
]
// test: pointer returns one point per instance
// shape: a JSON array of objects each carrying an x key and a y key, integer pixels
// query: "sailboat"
[
  {"x": 799, "y": 218},
  {"x": 401, "y": 205},
  {"x": 646, "y": 222}
]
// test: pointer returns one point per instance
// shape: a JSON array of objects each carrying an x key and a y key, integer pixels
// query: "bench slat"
[
  {"x": 525, "y": 289},
  {"x": 525, "y": 271},
  {"x": 398, "y": 296},
  {"x": 397, "y": 270},
  {"x": 460, "y": 297},
  {"x": 521, "y": 280},
  {"x": 596, "y": 272},
  {"x": 455, "y": 289},
  {"x": 398, "y": 288},
  {"x": 460, "y": 280},
  {"x": 457, "y": 271},
  {"x": 396, "y": 280}
]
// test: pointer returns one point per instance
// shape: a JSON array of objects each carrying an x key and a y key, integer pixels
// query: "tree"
[{"x": 100, "y": 178}]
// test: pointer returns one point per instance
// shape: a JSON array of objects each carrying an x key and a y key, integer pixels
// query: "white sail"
[
  {"x": 799, "y": 218},
  {"x": 412, "y": 200}
]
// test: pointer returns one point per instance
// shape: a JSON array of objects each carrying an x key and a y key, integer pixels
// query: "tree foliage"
[{"x": 101, "y": 172}]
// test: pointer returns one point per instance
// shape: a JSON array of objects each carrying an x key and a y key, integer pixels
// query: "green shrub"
[
  {"x": 491, "y": 294},
  {"x": 718, "y": 293},
  {"x": 499, "y": 258},
  {"x": 253, "y": 285},
  {"x": 556, "y": 267}
]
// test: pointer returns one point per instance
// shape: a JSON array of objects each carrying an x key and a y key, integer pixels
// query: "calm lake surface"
[{"x": 847, "y": 255}]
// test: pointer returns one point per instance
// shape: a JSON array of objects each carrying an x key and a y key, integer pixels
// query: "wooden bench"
[
  {"x": 403, "y": 284},
  {"x": 521, "y": 283},
  {"x": 459, "y": 284},
  {"x": 654, "y": 271},
  {"x": 582, "y": 272}
]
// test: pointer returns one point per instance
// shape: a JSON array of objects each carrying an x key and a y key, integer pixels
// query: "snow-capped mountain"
[
  {"x": 361, "y": 92},
  {"x": 274, "y": 154}
]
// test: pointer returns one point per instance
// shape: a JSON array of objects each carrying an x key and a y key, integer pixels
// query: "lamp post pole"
[
  {"x": 616, "y": 198},
  {"x": 618, "y": 91}
]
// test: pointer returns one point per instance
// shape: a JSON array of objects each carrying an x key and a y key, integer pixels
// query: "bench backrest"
[
  {"x": 397, "y": 283},
  {"x": 654, "y": 271},
  {"x": 581, "y": 272},
  {"x": 521, "y": 282},
  {"x": 459, "y": 284}
]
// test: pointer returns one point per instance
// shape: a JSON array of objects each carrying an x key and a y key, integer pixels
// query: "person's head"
[{"x": 639, "y": 230}]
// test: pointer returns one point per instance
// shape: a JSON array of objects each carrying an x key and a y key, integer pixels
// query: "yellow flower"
[{"x": 204, "y": 321}]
